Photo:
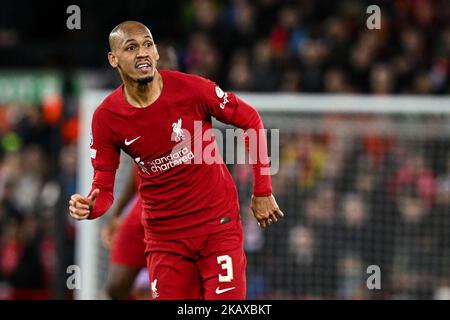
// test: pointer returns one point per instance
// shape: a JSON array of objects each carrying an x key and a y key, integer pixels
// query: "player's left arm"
[{"x": 230, "y": 109}]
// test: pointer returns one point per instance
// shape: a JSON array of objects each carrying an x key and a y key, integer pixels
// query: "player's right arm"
[{"x": 105, "y": 156}]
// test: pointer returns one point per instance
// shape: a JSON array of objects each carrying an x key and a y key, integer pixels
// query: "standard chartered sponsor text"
[{"x": 172, "y": 160}]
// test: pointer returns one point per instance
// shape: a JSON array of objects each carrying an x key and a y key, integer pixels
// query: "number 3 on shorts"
[{"x": 227, "y": 264}]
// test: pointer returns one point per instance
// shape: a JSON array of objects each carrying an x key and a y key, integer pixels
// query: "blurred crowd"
[
  {"x": 318, "y": 46},
  {"x": 31, "y": 189},
  {"x": 350, "y": 202},
  {"x": 254, "y": 45}
]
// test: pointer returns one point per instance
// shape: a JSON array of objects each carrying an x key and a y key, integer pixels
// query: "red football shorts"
[
  {"x": 210, "y": 267},
  {"x": 129, "y": 246}
]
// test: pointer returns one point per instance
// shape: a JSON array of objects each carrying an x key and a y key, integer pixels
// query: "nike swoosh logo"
[
  {"x": 127, "y": 143},
  {"x": 220, "y": 291}
]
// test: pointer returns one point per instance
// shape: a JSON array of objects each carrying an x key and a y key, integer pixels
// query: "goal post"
[
  {"x": 87, "y": 232},
  {"x": 90, "y": 255},
  {"x": 346, "y": 183}
]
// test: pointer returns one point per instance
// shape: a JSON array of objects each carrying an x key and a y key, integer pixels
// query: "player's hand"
[
  {"x": 80, "y": 207},
  {"x": 109, "y": 231},
  {"x": 266, "y": 210}
]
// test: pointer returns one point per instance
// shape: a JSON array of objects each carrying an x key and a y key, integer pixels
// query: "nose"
[{"x": 143, "y": 52}]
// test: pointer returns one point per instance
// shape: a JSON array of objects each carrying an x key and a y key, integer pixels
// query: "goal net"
[{"x": 364, "y": 183}]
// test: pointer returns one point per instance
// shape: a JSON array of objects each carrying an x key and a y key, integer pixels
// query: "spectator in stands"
[
  {"x": 416, "y": 174},
  {"x": 353, "y": 245},
  {"x": 415, "y": 247},
  {"x": 300, "y": 268}
]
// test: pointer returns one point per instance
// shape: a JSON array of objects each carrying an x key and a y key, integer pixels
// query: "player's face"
[{"x": 136, "y": 56}]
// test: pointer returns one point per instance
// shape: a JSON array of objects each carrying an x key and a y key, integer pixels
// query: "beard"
[
  {"x": 140, "y": 81},
  {"x": 145, "y": 80}
]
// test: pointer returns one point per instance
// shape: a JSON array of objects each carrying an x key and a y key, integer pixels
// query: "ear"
[
  {"x": 112, "y": 60},
  {"x": 157, "y": 53}
]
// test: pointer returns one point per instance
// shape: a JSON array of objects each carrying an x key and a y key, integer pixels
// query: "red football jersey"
[{"x": 183, "y": 194}]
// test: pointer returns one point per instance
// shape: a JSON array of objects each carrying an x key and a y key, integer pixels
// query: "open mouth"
[{"x": 143, "y": 66}]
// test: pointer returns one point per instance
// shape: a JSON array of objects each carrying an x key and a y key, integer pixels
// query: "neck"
[{"x": 142, "y": 95}]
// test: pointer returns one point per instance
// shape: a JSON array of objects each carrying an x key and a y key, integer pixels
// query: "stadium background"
[{"x": 358, "y": 188}]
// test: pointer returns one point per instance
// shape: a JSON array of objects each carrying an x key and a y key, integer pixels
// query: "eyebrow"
[{"x": 131, "y": 40}]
